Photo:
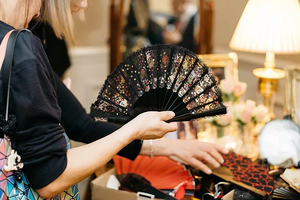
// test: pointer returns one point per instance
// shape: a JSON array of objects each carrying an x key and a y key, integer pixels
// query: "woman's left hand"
[
  {"x": 196, "y": 153},
  {"x": 188, "y": 152}
]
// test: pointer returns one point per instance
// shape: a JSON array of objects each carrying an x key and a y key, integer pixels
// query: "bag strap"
[
  {"x": 7, "y": 54},
  {"x": 3, "y": 47}
]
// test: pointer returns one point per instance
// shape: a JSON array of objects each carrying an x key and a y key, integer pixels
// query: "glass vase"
[
  {"x": 220, "y": 134},
  {"x": 245, "y": 139}
]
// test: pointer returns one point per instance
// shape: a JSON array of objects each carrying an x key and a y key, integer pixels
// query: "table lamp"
[{"x": 270, "y": 27}]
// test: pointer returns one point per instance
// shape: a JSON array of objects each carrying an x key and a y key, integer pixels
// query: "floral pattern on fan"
[{"x": 160, "y": 78}]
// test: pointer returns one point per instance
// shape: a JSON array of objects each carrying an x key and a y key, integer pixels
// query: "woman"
[{"x": 34, "y": 100}]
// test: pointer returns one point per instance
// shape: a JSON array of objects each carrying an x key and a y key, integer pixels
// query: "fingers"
[
  {"x": 166, "y": 115},
  {"x": 216, "y": 155},
  {"x": 199, "y": 165},
  {"x": 208, "y": 158},
  {"x": 171, "y": 127},
  {"x": 220, "y": 149}
]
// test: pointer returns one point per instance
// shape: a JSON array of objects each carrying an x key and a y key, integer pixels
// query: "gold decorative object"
[
  {"x": 268, "y": 26},
  {"x": 292, "y": 89},
  {"x": 224, "y": 65}
]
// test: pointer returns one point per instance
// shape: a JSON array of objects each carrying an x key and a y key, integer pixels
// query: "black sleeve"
[
  {"x": 81, "y": 127},
  {"x": 39, "y": 138}
]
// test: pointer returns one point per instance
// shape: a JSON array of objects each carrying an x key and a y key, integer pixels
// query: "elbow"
[{"x": 46, "y": 192}]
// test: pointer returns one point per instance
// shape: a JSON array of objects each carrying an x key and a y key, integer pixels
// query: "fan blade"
[
  {"x": 189, "y": 62},
  {"x": 139, "y": 60},
  {"x": 115, "y": 97},
  {"x": 118, "y": 81},
  {"x": 206, "y": 82},
  {"x": 175, "y": 58},
  {"x": 106, "y": 110},
  {"x": 131, "y": 72},
  {"x": 195, "y": 76},
  {"x": 199, "y": 94},
  {"x": 175, "y": 69},
  {"x": 153, "y": 66},
  {"x": 165, "y": 56},
  {"x": 186, "y": 68},
  {"x": 213, "y": 109}
]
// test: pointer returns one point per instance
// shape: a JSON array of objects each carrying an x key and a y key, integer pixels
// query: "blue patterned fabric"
[{"x": 12, "y": 190}]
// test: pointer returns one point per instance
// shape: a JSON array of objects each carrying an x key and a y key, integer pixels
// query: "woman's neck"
[{"x": 11, "y": 17}]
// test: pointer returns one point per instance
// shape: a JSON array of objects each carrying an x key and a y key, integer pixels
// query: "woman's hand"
[
  {"x": 196, "y": 153},
  {"x": 151, "y": 125},
  {"x": 188, "y": 152},
  {"x": 172, "y": 37}
]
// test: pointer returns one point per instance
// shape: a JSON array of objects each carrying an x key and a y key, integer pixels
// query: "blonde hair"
[{"x": 58, "y": 14}]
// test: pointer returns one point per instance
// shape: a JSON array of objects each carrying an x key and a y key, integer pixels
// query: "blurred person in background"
[{"x": 183, "y": 27}]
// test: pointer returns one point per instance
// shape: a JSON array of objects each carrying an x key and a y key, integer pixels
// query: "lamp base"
[
  {"x": 268, "y": 84},
  {"x": 269, "y": 73}
]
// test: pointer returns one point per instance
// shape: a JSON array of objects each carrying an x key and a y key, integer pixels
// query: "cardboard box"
[
  {"x": 229, "y": 196},
  {"x": 101, "y": 192}
]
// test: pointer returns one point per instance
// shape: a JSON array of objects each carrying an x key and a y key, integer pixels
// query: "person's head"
[
  {"x": 19, "y": 13},
  {"x": 77, "y": 5},
  {"x": 57, "y": 13},
  {"x": 179, "y": 6}
]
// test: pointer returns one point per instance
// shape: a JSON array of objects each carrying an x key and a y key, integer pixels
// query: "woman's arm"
[
  {"x": 189, "y": 152},
  {"x": 85, "y": 160}
]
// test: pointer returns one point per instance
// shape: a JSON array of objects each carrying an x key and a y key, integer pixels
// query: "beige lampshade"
[{"x": 268, "y": 26}]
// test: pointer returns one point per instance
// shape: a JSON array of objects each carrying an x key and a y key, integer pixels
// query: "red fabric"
[
  {"x": 180, "y": 193},
  {"x": 162, "y": 172}
]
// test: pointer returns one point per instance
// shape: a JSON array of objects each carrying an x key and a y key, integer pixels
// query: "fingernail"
[
  {"x": 222, "y": 161},
  {"x": 217, "y": 165},
  {"x": 208, "y": 171},
  {"x": 225, "y": 151},
  {"x": 171, "y": 114}
]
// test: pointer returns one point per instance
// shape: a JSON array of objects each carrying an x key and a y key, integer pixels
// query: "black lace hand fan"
[{"x": 160, "y": 78}]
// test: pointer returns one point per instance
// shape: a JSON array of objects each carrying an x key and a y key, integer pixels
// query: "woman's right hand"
[{"x": 152, "y": 125}]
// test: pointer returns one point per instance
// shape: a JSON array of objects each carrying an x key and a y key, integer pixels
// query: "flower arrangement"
[
  {"x": 237, "y": 110},
  {"x": 235, "y": 129},
  {"x": 232, "y": 91},
  {"x": 243, "y": 113}
]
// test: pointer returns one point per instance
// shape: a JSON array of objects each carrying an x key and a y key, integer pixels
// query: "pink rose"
[
  {"x": 239, "y": 89},
  {"x": 226, "y": 86},
  {"x": 262, "y": 114},
  {"x": 250, "y": 104},
  {"x": 224, "y": 120},
  {"x": 246, "y": 116},
  {"x": 244, "y": 111}
]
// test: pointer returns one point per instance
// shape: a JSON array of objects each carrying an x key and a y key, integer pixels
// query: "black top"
[
  {"x": 41, "y": 103},
  {"x": 55, "y": 48}
]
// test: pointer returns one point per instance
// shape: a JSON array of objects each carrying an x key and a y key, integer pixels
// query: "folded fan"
[
  {"x": 242, "y": 172},
  {"x": 160, "y": 78},
  {"x": 162, "y": 172}
]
